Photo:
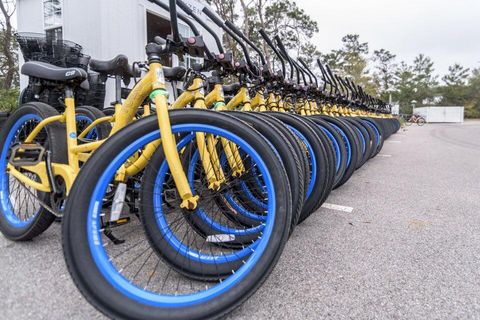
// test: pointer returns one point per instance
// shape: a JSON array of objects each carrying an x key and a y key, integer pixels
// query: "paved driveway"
[{"x": 409, "y": 249}]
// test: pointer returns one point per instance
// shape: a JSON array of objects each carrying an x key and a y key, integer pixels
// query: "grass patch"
[{"x": 8, "y": 100}]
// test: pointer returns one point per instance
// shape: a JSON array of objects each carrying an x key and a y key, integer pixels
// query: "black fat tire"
[
  {"x": 321, "y": 187},
  {"x": 353, "y": 146},
  {"x": 362, "y": 135},
  {"x": 343, "y": 161},
  {"x": 372, "y": 140},
  {"x": 329, "y": 162},
  {"x": 381, "y": 131},
  {"x": 282, "y": 139}
]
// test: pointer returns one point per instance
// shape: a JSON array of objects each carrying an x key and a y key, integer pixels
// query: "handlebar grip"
[
  {"x": 332, "y": 77},
  {"x": 201, "y": 22},
  {"x": 213, "y": 17},
  {"x": 280, "y": 45},
  {"x": 269, "y": 42},
  {"x": 222, "y": 25},
  {"x": 310, "y": 73},
  {"x": 284, "y": 53},
  {"x": 159, "y": 40},
  {"x": 267, "y": 39},
  {"x": 233, "y": 28},
  {"x": 181, "y": 16},
  {"x": 173, "y": 21},
  {"x": 184, "y": 7},
  {"x": 243, "y": 37}
]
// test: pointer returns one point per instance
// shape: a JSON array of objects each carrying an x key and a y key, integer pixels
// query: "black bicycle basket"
[{"x": 61, "y": 53}]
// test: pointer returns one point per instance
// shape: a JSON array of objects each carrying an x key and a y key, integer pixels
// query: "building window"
[
  {"x": 54, "y": 34},
  {"x": 52, "y": 14}
]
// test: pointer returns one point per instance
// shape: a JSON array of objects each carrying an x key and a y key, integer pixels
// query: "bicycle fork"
[{"x": 169, "y": 145}]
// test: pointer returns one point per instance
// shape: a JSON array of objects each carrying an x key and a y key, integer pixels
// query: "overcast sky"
[{"x": 446, "y": 30}]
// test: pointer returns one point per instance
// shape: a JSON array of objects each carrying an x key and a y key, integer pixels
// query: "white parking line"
[
  {"x": 384, "y": 155},
  {"x": 337, "y": 207}
]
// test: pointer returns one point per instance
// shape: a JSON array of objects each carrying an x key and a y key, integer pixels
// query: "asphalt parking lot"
[{"x": 409, "y": 248}]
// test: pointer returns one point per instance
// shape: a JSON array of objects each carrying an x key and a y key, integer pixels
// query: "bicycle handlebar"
[
  {"x": 201, "y": 22},
  {"x": 332, "y": 78},
  {"x": 345, "y": 87},
  {"x": 284, "y": 53},
  {"x": 192, "y": 14},
  {"x": 322, "y": 70},
  {"x": 304, "y": 64},
  {"x": 250, "y": 43},
  {"x": 173, "y": 21},
  {"x": 222, "y": 25},
  {"x": 352, "y": 91},
  {"x": 302, "y": 68},
  {"x": 340, "y": 83},
  {"x": 279, "y": 56},
  {"x": 299, "y": 72},
  {"x": 180, "y": 15}
]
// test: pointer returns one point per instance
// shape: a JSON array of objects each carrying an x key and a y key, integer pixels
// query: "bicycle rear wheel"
[
  {"x": 84, "y": 116},
  {"x": 22, "y": 212}
]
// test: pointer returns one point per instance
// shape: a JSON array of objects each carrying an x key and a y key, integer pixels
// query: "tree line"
[
  {"x": 9, "y": 79},
  {"x": 379, "y": 72},
  {"x": 408, "y": 84}
]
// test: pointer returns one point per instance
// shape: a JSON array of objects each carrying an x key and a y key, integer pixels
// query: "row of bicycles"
[{"x": 177, "y": 203}]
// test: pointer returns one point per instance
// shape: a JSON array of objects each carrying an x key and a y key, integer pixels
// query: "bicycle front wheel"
[{"x": 136, "y": 280}]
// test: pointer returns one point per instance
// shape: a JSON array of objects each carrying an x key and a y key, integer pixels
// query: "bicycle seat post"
[{"x": 118, "y": 90}]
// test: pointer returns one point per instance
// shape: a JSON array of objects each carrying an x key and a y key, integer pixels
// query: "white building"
[
  {"x": 105, "y": 28},
  {"x": 441, "y": 114}
]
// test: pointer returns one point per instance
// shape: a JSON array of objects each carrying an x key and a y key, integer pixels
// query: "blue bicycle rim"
[{"x": 117, "y": 280}]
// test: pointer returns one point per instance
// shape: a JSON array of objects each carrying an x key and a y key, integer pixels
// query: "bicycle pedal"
[
  {"x": 117, "y": 223},
  {"x": 26, "y": 154}
]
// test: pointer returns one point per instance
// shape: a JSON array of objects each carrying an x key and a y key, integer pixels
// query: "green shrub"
[
  {"x": 472, "y": 111},
  {"x": 8, "y": 99}
]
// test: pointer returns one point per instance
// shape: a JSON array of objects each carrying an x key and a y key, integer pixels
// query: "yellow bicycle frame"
[
  {"x": 216, "y": 99},
  {"x": 153, "y": 85}
]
